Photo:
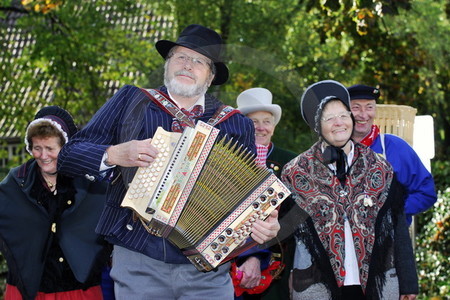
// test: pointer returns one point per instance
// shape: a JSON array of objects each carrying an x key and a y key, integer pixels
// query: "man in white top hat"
[{"x": 256, "y": 104}]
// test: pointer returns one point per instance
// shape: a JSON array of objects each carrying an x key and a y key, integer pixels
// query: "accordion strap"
[
  {"x": 163, "y": 101},
  {"x": 223, "y": 113},
  {"x": 168, "y": 106}
]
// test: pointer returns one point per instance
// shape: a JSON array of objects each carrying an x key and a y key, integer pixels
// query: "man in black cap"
[
  {"x": 118, "y": 137},
  {"x": 410, "y": 171}
]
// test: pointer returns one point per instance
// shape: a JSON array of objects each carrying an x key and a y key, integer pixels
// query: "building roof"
[{"x": 16, "y": 41}]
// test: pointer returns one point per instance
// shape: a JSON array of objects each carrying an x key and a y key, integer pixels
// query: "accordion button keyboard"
[{"x": 142, "y": 189}]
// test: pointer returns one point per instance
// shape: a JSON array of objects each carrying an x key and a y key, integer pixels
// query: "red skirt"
[{"x": 93, "y": 293}]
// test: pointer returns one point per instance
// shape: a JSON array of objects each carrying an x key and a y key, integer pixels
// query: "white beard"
[{"x": 181, "y": 89}]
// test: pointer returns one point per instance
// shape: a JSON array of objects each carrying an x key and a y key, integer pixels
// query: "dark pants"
[{"x": 352, "y": 292}]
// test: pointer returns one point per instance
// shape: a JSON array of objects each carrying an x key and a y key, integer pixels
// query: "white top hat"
[{"x": 258, "y": 99}]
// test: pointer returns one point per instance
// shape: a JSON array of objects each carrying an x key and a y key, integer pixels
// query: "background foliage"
[{"x": 84, "y": 50}]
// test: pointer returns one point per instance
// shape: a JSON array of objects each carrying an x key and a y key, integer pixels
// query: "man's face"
[
  {"x": 187, "y": 73},
  {"x": 264, "y": 126},
  {"x": 364, "y": 112}
]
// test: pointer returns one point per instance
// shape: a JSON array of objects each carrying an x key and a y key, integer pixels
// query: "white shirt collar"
[{"x": 200, "y": 101}]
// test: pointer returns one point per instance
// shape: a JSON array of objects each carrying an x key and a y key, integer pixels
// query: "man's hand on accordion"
[
  {"x": 132, "y": 154},
  {"x": 264, "y": 231}
]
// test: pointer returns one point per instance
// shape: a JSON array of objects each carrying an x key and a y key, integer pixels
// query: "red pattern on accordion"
[{"x": 195, "y": 173}]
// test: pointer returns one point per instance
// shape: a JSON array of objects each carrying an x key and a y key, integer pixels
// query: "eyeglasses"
[
  {"x": 343, "y": 116},
  {"x": 197, "y": 62}
]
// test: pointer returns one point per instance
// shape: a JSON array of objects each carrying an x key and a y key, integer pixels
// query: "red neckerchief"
[{"x": 371, "y": 136}]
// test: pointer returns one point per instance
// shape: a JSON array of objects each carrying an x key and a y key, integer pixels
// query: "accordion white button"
[{"x": 129, "y": 227}]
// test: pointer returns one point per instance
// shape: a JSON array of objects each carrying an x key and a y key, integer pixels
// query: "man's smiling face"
[
  {"x": 364, "y": 112},
  {"x": 264, "y": 123}
]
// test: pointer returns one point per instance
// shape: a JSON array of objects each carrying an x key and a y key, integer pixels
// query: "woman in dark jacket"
[
  {"x": 354, "y": 242},
  {"x": 47, "y": 221}
]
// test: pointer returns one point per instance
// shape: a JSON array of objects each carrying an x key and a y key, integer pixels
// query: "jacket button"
[
  {"x": 61, "y": 259},
  {"x": 129, "y": 227},
  {"x": 69, "y": 202},
  {"x": 89, "y": 177}
]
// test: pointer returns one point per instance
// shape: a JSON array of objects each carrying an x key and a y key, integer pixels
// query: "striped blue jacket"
[{"x": 128, "y": 115}]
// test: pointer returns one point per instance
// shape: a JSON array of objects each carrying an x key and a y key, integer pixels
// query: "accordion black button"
[{"x": 214, "y": 246}]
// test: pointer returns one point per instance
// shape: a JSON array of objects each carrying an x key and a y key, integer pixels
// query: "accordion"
[{"x": 202, "y": 193}]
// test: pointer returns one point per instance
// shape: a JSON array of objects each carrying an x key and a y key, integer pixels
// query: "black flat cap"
[{"x": 361, "y": 91}]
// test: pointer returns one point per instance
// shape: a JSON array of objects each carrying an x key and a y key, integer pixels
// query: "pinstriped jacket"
[{"x": 128, "y": 115}]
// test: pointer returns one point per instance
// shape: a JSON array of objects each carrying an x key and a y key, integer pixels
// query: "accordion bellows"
[{"x": 203, "y": 193}]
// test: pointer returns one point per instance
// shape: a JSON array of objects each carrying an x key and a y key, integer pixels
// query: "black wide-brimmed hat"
[
  {"x": 204, "y": 41},
  {"x": 317, "y": 95}
]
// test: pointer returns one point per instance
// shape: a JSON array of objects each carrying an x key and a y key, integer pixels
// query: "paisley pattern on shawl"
[{"x": 317, "y": 191}]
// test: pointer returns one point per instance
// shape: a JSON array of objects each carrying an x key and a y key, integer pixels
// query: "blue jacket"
[
  {"x": 411, "y": 173},
  {"x": 128, "y": 115},
  {"x": 25, "y": 228}
]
